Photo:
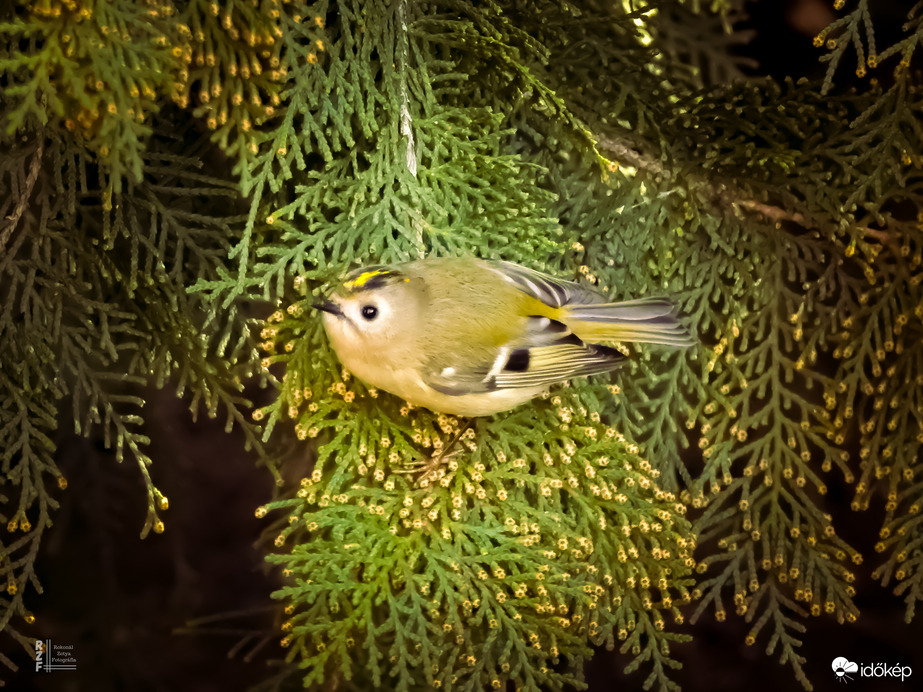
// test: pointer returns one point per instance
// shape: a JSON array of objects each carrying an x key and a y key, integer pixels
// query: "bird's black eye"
[{"x": 369, "y": 312}]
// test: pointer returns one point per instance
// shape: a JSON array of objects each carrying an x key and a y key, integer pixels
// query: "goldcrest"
[{"x": 472, "y": 337}]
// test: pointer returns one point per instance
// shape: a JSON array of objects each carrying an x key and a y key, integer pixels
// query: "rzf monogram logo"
[{"x": 49, "y": 657}]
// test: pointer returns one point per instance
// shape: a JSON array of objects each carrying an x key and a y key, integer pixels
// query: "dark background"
[{"x": 189, "y": 610}]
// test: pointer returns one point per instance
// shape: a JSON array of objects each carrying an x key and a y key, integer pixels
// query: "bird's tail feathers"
[{"x": 646, "y": 320}]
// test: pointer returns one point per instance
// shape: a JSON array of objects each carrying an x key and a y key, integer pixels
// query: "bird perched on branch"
[{"x": 472, "y": 337}]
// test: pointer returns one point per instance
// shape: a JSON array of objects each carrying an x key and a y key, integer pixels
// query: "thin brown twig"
[
  {"x": 770, "y": 211},
  {"x": 630, "y": 155},
  {"x": 13, "y": 218},
  {"x": 625, "y": 153},
  {"x": 778, "y": 214}
]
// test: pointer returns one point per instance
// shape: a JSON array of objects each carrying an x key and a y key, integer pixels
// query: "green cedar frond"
[
  {"x": 847, "y": 31},
  {"x": 857, "y": 29},
  {"x": 704, "y": 42},
  {"x": 95, "y": 307},
  {"x": 442, "y": 582},
  {"x": 83, "y": 67}
]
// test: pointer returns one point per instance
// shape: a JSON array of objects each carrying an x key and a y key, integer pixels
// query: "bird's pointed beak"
[{"x": 329, "y": 307}]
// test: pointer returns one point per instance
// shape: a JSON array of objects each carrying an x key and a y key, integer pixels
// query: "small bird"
[{"x": 472, "y": 337}]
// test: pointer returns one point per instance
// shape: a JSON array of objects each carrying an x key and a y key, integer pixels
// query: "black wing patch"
[{"x": 518, "y": 361}]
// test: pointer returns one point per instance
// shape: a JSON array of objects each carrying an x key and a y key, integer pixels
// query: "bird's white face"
[
  {"x": 373, "y": 321},
  {"x": 371, "y": 328},
  {"x": 364, "y": 322}
]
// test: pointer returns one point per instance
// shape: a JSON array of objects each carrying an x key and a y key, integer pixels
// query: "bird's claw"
[{"x": 434, "y": 468}]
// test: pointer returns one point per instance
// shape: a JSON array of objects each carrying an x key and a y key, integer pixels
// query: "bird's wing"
[
  {"x": 549, "y": 290},
  {"x": 546, "y": 354}
]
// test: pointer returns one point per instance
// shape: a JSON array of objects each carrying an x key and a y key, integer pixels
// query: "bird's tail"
[{"x": 647, "y": 320}]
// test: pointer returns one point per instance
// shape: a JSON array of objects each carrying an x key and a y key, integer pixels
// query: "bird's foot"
[
  {"x": 432, "y": 469},
  {"x": 437, "y": 466}
]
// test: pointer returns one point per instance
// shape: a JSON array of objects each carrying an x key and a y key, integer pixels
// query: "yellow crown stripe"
[{"x": 365, "y": 277}]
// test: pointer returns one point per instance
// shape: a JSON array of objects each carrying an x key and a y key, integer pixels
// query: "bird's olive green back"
[{"x": 471, "y": 308}]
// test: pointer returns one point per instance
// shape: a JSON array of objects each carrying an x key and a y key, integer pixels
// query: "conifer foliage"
[{"x": 171, "y": 167}]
